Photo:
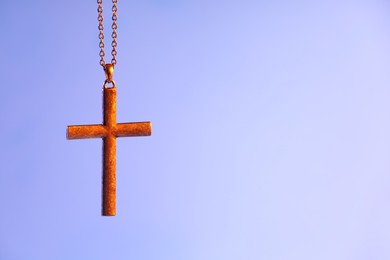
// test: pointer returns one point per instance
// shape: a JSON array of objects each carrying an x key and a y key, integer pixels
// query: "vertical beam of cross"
[{"x": 109, "y": 131}]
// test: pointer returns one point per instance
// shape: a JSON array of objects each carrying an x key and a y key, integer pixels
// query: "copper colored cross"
[{"x": 109, "y": 131}]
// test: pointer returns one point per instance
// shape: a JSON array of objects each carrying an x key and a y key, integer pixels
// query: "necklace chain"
[{"x": 114, "y": 35}]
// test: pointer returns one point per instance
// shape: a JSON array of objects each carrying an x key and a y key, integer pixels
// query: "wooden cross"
[{"x": 109, "y": 131}]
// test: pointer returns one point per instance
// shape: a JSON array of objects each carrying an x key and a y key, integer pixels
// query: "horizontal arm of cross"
[
  {"x": 118, "y": 130},
  {"x": 86, "y": 131},
  {"x": 133, "y": 129}
]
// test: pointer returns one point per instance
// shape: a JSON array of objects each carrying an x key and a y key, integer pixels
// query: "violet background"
[{"x": 271, "y": 130}]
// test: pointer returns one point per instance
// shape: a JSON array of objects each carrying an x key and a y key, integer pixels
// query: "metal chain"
[{"x": 114, "y": 35}]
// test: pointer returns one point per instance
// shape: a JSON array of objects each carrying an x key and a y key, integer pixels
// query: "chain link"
[{"x": 114, "y": 35}]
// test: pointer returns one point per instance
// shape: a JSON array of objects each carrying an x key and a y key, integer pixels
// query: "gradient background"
[{"x": 271, "y": 131}]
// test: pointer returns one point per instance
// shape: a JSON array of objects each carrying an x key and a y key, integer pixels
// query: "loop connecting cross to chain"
[
  {"x": 114, "y": 35},
  {"x": 109, "y": 71}
]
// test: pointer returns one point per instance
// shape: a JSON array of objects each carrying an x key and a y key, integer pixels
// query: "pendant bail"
[{"x": 109, "y": 71}]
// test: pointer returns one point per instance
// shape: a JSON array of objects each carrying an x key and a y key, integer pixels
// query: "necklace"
[
  {"x": 110, "y": 129},
  {"x": 114, "y": 35}
]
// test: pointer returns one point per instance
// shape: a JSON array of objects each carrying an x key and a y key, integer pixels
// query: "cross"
[{"x": 109, "y": 131}]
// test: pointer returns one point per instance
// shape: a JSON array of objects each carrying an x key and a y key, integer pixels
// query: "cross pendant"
[{"x": 109, "y": 131}]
